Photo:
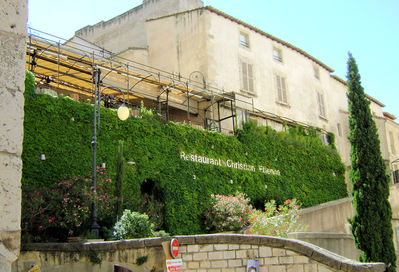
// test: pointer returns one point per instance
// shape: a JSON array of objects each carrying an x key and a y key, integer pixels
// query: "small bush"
[
  {"x": 133, "y": 225},
  {"x": 161, "y": 233},
  {"x": 228, "y": 213},
  {"x": 276, "y": 222}
]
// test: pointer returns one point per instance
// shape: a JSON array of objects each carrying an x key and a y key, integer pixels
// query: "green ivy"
[{"x": 62, "y": 130}]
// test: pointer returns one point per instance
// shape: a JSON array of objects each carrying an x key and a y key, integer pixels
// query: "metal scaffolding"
[{"x": 68, "y": 68}]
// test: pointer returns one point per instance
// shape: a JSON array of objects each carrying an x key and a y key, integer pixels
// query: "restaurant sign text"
[{"x": 228, "y": 163}]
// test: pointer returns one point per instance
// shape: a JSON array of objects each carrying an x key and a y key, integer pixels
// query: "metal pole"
[
  {"x": 220, "y": 127},
  {"x": 94, "y": 225},
  {"x": 232, "y": 115},
  {"x": 188, "y": 104}
]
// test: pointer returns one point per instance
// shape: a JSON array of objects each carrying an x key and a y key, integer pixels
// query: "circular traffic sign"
[{"x": 174, "y": 248}]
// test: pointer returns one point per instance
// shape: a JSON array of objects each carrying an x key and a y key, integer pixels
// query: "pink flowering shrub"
[
  {"x": 38, "y": 212},
  {"x": 228, "y": 213},
  {"x": 64, "y": 209},
  {"x": 276, "y": 221}
]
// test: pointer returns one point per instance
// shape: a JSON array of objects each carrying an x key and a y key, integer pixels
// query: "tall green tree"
[{"x": 371, "y": 224}]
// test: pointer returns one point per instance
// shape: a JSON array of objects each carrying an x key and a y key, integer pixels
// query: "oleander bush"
[
  {"x": 228, "y": 213},
  {"x": 63, "y": 209}
]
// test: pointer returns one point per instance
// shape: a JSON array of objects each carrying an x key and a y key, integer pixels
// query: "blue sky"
[{"x": 327, "y": 30}]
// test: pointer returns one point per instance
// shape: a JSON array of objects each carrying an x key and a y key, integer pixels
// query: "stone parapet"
[{"x": 217, "y": 252}]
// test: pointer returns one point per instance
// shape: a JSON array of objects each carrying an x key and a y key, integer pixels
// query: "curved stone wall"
[{"x": 213, "y": 253}]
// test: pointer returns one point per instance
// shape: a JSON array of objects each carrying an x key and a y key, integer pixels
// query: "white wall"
[{"x": 128, "y": 29}]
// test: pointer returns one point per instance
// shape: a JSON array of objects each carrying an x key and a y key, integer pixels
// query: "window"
[
  {"x": 339, "y": 129},
  {"x": 244, "y": 40},
  {"x": 324, "y": 139},
  {"x": 242, "y": 117},
  {"x": 247, "y": 78},
  {"x": 392, "y": 142},
  {"x": 395, "y": 175},
  {"x": 320, "y": 102},
  {"x": 316, "y": 72},
  {"x": 277, "y": 55},
  {"x": 281, "y": 90},
  {"x": 212, "y": 125}
]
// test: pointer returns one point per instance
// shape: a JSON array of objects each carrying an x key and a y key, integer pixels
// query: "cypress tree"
[{"x": 371, "y": 224}]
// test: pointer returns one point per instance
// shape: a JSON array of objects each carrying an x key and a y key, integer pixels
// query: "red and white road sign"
[{"x": 174, "y": 248}]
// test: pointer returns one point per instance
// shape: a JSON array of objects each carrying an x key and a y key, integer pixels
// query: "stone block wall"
[
  {"x": 13, "y": 16},
  {"x": 200, "y": 253}
]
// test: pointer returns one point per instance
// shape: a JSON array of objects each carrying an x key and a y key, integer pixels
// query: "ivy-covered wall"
[{"x": 61, "y": 129}]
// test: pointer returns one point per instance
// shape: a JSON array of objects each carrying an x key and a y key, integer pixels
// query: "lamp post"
[{"x": 123, "y": 114}]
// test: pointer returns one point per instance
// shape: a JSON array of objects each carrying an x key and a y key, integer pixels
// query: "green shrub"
[
  {"x": 133, "y": 225},
  {"x": 276, "y": 221},
  {"x": 228, "y": 213}
]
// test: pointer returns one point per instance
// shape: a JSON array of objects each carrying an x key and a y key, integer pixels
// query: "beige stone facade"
[
  {"x": 272, "y": 81},
  {"x": 13, "y": 16}
]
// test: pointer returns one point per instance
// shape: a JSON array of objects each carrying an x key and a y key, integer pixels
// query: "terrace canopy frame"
[{"x": 68, "y": 68}]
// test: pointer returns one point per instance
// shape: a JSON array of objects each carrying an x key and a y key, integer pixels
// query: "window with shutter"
[
  {"x": 392, "y": 142},
  {"x": 322, "y": 108},
  {"x": 281, "y": 89},
  {"x": 247, "y": 78},
  {"x": 395, "y": 176}
]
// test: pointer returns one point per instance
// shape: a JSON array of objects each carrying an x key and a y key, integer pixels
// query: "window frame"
[
  {"x": 244, "y": 40},
  {"x": 279, "y": 56}
]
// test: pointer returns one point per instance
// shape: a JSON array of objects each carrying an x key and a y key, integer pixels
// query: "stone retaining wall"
[{"x": 213, "y": 253}]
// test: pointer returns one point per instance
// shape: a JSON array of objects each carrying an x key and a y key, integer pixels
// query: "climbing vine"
[{"x": 167, "y": 165}]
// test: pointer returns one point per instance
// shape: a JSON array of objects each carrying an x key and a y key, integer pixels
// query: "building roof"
[{"x": 388, "y": 115}]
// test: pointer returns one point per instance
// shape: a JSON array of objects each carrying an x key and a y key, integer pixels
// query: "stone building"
[
  {"x": 13, "y": 16},
  {"x": 271, "y": 80}
]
